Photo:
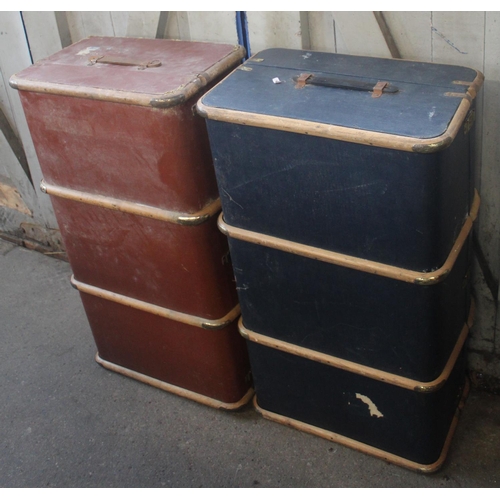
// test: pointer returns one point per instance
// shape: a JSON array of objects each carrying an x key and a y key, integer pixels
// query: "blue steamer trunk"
[
  {"x": 307, "y": 164},
  {"x": 348, "y": 199},
  {"x": 413, "y": 429},
  {"x": 387, "y": 324},
  {"x": 400, "y": 208}
]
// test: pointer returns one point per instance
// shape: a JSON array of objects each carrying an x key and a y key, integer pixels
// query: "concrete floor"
[{"x": 67, "y": 422}]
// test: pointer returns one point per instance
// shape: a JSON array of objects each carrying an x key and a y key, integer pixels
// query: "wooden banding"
[
  {"x": 328, "y": 131},
  {"x": 133, "y": 208},
  {"x": 166, "y": 100},
  {"x": 356, "y": 263},
  {"x": 189, "y": 319},
  {"x": 365, "y": 448},
  {"x": 365, "y": 371},
  {"x": 179, "y": 391}
]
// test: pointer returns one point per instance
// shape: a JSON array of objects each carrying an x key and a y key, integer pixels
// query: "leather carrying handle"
[
  {"x": 377, "y": 88},
  {"x": 122, "y": 61}
]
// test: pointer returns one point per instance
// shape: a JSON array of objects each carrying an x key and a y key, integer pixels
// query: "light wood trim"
[
  {"x": 133, "y": 208},
  {"x": 365, "y": 448},
  {"x": 178, "y": 391},
  {"x": 365, "y": 371},
  {"x": 166, "y": 100},
  {"x": 123, "y": 97},
  {"x": 188, "y": 319},
  {"x": 366, "y": 137},
  {"x": 357, "y": 263}
]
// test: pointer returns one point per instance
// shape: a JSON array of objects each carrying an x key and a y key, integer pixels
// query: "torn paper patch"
[{"x": 374, "y": 412}]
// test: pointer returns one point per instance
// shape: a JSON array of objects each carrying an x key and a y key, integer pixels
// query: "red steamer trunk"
[{"x": 127, "y": 164}]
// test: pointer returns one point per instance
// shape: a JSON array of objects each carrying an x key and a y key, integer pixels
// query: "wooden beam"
[
  {"x": 15, "y": 144},
  {"x": 360, "y": 34},
  {"x": 42, "y": 33},
  {"x": 386, "y": 33},
  {"x": 143, "y": 24},
  {"x": 63, "y": 28},
  {"x": 412, "y": 34},
  {"x": 274, "y": 29},
  {"x": 212, "y": 27},
  {"x": 322, "y": 31},
  {"x": 14, "y": 57},
  {"x": 304, "y": 30},
  {"x": 161, "y": 30}
]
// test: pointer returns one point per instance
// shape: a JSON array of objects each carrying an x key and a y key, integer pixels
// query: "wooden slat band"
[
  {"x": 459, "y": 95},
  {"x": 369, "y": 266},
  {"x": 133, "y": 208},
  {"x": 365, "y": 371},
  {"x": 188, "y": 319},
  {"x": 178, "y": 391},
  {"x": 370, "y": 138},
  {"x": 166, "y": 100},
  {"x": 365, "y": 448}
]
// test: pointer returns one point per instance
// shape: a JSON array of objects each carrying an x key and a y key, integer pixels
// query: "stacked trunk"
[
  {"x": 128, "y": 167},
  {"x": 347, "y": 193}
]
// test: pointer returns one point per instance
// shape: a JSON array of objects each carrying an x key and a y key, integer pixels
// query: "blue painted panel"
[{"x": 399, "y": 208}]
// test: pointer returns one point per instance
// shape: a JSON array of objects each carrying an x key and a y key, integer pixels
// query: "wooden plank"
[
  {"x": 483, "y": 330},
  {"x": 305, "y": 34},
  {"x": 5, "y": 103},
  {"x": 387, "y": 34},
  {"x": 75, "y": 26},
  {"x": 412, "y": 34},
  {"x": 458, "y": 38},
  {"x": 322, "y": 31},
  {"x": 274, "y": 29},
  {"x": 85, "y": 24},
  {"x": 14, "y": 57},
  {"x": 213, "y": 26},
  {"x": 142, "y": 24},
  {"x": 177, "y": 27},
  {"x": 462, "y": 38},
  {"x": 489, "y": 229},
  {"x": 135, "y": 23},
  {"x": 43, "y": 33},
  {"x": 15, "y": 144},
  {"x": 172, "y": 27},
  {"x": 120, "y": 21},
  {"x": 63, "y": 28},
  {"x": 340, "y": 43},
  {"x": 361, "y": 34},
  {"x": 472, "y": 39},
  {"x": 161, "y": 29},
  {"x": 202, "y": 26},
  {"x": 98, "y": 23},
  {"x": 15, "y": 176}
]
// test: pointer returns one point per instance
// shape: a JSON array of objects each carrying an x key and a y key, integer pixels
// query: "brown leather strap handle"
[
  {"x": 122, "y": 61},
  {"x": 377, "y": 88}
]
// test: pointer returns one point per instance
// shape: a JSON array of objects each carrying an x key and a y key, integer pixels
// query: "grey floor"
[{"x": 67, "y": 422}]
